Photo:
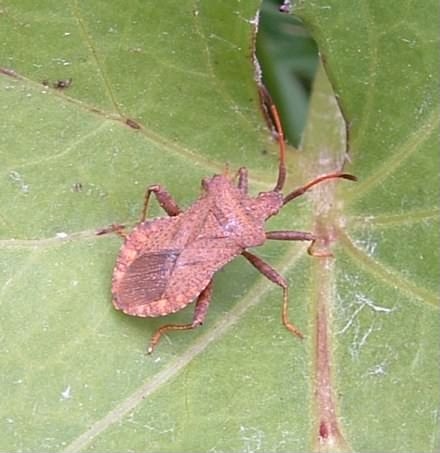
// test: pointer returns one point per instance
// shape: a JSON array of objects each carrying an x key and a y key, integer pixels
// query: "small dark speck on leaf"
[
  {"x": 132, "y": 123},
  {"x": 8, "y": 72},
  {"x": 58, "y": 84},
  {"x": 62, "y": 84},
  {"x": 77, "y": 187}
]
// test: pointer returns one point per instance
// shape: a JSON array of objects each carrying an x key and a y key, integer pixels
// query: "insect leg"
[
  {"x": 166, "y": 201},
  {"x": 269, "y": 272},
  {"x": 200, "y": 311},
  {"x": 114, "y": 228},
  {"x": 202, "y": 304},
  {"x": 301, "y": 190},
  {"x": 243, "y": 180},
  {"x": 295, "y": 236},
  {"x": 290, "y": 236},
  {"x": 299, "y": 236}
]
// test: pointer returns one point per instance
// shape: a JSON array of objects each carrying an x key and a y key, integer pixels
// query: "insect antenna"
[
  {"x": 282, "y": 159},
  {"x": 301, "y": 190},
  {"x": 273, "y": 120}
]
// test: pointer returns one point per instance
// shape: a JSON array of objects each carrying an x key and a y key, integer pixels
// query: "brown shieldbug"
[{"x": 167, "y": 263}]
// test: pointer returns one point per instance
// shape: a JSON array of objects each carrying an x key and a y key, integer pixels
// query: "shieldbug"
[{"x": 167, "y": 263}]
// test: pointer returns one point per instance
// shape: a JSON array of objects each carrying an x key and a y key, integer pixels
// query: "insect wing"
[
  {"x": 143, "y": 267},
  {"x": 147, "y": 277}
]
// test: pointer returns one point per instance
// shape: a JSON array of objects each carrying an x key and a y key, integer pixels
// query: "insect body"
[{"x": 167, "y": 263}]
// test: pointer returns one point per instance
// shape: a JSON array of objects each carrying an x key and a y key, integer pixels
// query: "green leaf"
[
  {"x": 74, "y": 375},
  {"x": 384, "y": 328}
]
